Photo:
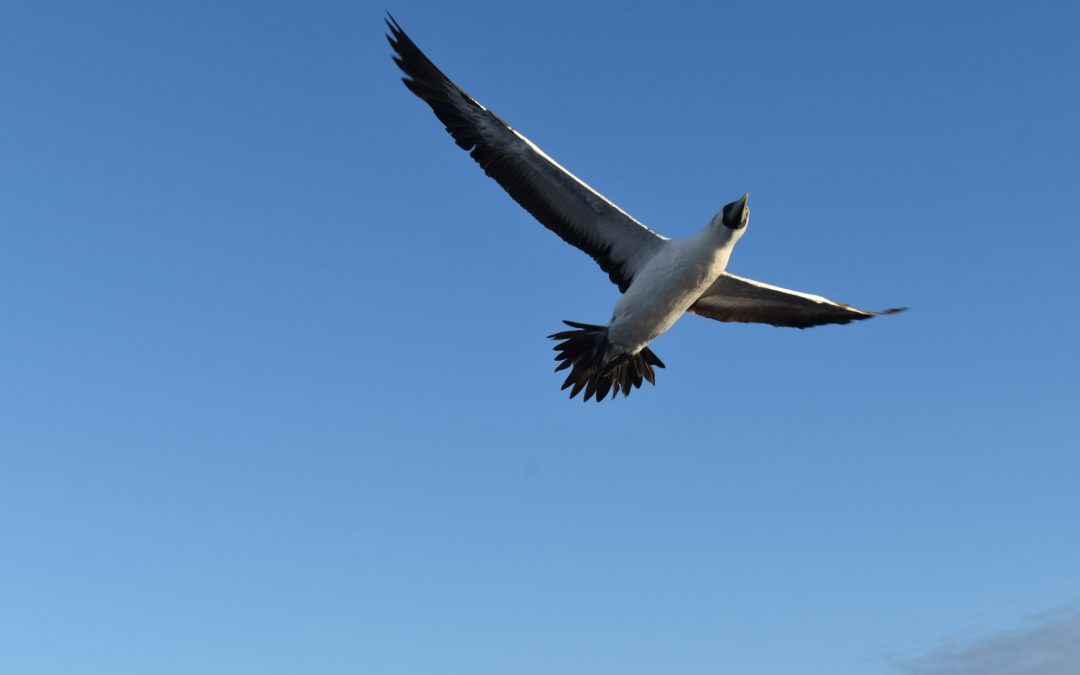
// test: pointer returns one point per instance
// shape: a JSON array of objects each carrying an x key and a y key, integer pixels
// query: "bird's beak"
[{"x": 742, "y": 211}]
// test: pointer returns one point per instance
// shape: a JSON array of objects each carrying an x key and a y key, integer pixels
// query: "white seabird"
[{"x": 660, "y": 279}]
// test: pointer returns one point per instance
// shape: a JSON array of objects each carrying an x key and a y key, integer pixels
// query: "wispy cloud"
[{"x": 1048, "y": 646}]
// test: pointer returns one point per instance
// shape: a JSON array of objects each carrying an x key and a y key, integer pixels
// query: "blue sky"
[{"x": 277, "y": 395}]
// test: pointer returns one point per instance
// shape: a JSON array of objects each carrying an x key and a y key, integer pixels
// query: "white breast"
[{"x": 662, "y": 292}]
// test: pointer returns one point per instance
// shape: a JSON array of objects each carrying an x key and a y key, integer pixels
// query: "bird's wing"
[
  {"x": 732, "y": 298},
  {"x": 554, "y": 196}
]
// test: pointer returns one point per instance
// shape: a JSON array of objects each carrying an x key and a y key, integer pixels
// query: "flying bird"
[{"x": 660, "y": 278}]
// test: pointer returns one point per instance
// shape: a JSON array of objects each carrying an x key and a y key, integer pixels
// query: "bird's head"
[{"x": 735, "y": 215}]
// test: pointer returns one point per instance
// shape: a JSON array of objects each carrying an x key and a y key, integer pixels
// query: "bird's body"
[
  {"x": 669, "y": 284},
  {"x": 661, "y": 279}
]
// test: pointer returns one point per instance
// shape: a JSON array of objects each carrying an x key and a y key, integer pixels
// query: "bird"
[{"x": 660, "y": 279}]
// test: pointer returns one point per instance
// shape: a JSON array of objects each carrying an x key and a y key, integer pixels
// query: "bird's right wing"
[
  {"x": 732, "y": 298},
  {"x": 554, "y": 196}
]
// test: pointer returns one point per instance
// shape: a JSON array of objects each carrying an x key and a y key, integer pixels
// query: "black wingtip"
[
  {"x": 894, "y": 310},
  {"x": 396, "y": 35}
]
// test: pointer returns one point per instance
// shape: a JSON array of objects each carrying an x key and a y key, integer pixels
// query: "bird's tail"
[{"x": 584, "y": 351}]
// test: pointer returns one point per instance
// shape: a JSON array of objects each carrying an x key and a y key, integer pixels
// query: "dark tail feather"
[{"x": 583, "y": 351}]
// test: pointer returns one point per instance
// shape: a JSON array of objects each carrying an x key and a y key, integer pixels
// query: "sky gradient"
[{"x": 278, "y": 398}]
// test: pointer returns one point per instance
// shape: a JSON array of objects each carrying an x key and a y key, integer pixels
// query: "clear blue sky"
[{"x": 276, "y": 395}]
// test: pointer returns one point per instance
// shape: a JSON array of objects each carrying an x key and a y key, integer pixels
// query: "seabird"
[{"x": 660, "y": 279}]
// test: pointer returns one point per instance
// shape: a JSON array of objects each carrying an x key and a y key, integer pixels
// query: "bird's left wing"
[
  {"x": 554, "y": 196},
  {"x": 732, "y": 298}
]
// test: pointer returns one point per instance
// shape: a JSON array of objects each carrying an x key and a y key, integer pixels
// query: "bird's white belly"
[{"x": 662, "y": 292}]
